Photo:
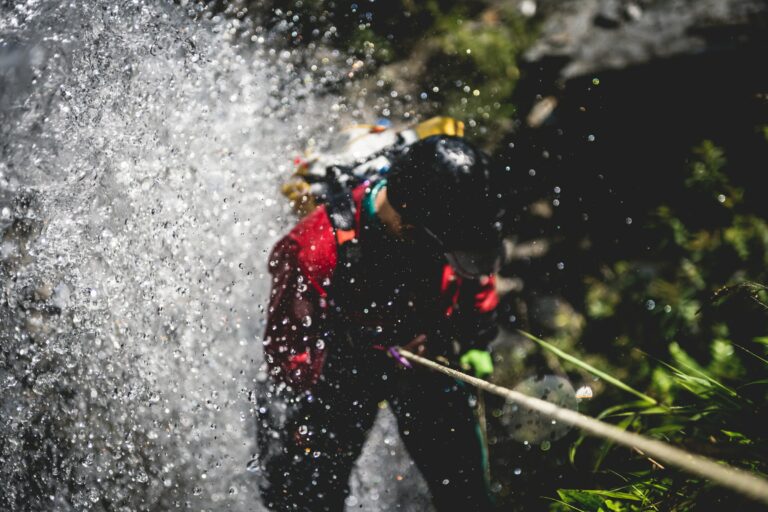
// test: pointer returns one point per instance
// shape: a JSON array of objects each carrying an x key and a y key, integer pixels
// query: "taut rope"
[{"x": 738, "y": 480}]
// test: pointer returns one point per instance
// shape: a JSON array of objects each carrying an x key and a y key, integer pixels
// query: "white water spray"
[{"x": 141, "y": 153}]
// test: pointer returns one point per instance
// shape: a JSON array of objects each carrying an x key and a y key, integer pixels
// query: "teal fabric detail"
[{"x": 369, "y": 201}]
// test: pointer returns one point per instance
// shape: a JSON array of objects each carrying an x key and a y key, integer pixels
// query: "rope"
[{"x": 738, "y": 480}]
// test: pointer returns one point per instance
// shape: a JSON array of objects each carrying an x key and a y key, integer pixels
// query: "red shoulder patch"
[{"x": 317, "y": 248}]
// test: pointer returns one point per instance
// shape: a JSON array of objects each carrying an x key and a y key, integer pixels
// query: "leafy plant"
[{"x": 715, "y": 409}]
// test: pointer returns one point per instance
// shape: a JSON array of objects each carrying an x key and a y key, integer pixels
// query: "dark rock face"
[
  {"x": 612, "y": 100},
  {"x": 610, "y": 104},
  {"x": 596, "y": 35}
]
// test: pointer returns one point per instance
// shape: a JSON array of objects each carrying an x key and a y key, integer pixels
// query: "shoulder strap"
[{"x": 342, "y": 212}]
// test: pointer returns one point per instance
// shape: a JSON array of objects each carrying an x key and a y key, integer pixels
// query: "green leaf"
[
  {"x": 664, "y": 429},
  {"x": 650, "y": 411},
  {"x": 564, "y": 503},
  {"x": 622, "y": 409},
  {"x": 574, "y": 447},
  {"x": 687, "y": 362},
  {"x": 580, "y": 497},
  {"x": 737, "y": 437},
  {"x": 613, "y": 494}
]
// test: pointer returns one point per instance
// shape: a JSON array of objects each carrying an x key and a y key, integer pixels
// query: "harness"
[
  {"x": 364, "y": 153},
  {"x": 348, "y": 277},
  {"x": 344, "y": 217}
]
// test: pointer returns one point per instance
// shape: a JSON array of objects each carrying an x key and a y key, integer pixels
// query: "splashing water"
[{"x": 141, "y": 153}]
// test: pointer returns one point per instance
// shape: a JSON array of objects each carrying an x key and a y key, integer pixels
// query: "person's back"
[{"x": 352, "y": 281}]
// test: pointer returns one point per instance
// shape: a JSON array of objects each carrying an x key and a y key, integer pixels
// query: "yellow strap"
[
  {"x": 441, "y": 125},
  {"x": 297, "y": 190}
]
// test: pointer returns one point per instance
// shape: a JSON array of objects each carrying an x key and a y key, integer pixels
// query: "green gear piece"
[{"x": 479, "y": 361}]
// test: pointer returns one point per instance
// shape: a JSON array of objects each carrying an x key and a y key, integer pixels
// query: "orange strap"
[{"x": 344, "y": 235}]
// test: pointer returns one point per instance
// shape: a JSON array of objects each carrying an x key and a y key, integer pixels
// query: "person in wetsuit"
[{"x": 405, "y": 261}]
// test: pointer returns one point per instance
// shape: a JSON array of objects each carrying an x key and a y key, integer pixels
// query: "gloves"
[{"x": 479, "y": 361}]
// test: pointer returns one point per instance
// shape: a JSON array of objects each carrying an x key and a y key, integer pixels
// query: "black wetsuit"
[{"x": 382, "y": 296}]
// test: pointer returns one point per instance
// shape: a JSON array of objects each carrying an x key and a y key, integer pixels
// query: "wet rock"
[{"x": 595, "y": 35}]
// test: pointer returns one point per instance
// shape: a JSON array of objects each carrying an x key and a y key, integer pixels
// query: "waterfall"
[{"x": 142, "y": 148}]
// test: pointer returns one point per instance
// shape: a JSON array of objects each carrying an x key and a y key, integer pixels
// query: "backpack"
[{"x": 361, "y": 152}]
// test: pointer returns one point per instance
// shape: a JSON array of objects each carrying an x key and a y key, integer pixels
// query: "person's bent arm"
[{"x": 293, "y": 343}]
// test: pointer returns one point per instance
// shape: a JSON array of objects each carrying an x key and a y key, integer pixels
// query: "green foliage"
[
  {"x": 697, "y": 321},
  {"x": 702, "y": 414},
  {"x": 477, "y": 66},
  {"x": 367, "y": 43},
  {"x": 462, "y": 55},
  {"x": 596, "y": 500},
  {"x": 695, "y": 255}
]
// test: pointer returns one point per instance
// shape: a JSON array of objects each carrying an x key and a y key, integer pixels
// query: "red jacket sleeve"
[{"x": 293, "y": 342}]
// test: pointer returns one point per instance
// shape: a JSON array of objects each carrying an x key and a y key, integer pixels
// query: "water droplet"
[
  {"x": 584, "y": 392},
  {"x": 527, "y": 8},
  {"x": 253, "y": 466}
]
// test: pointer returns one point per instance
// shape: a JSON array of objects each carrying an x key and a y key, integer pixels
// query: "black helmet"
[{"x": 448, "y": 188}]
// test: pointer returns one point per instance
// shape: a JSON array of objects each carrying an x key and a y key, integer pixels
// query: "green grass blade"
[
  {"x": 701, "y": 386},
  {"x": 561, "y": 502},
  {"x": 687, "y": 362},
  {"x": 612, "y": 494},
  {"x": 591, "y": 369},
  {"x": 763, "y": 360}
]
